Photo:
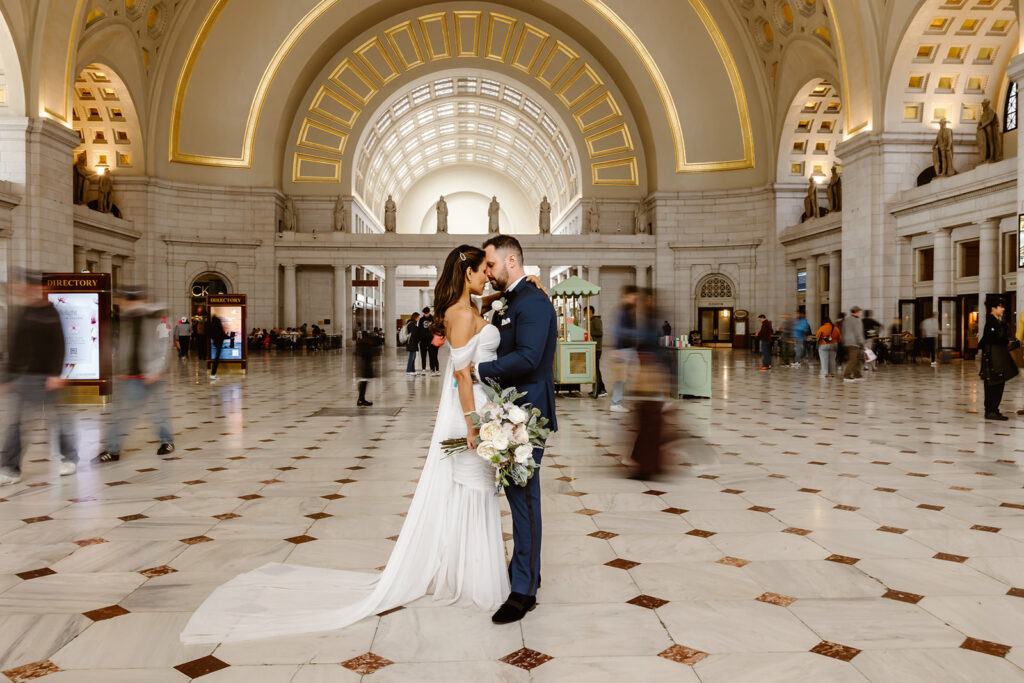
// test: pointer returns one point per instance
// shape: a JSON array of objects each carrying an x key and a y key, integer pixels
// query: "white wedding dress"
[{"x": 450, "y": 545}]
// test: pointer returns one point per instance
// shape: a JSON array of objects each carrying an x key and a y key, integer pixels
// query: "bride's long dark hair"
[{"x": 452, "y": 281}]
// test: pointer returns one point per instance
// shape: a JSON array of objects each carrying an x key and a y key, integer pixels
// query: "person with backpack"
[
  {"x": 801, "y": 331},
  {"x": 410, "y": 338},
  {"x": 828, "y": 345},
  {"x": 765, "y": 335}
]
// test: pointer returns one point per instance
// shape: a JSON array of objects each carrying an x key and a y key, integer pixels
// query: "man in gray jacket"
[
  {"x": 140, "y": 361},
  {"x": 853, "y": 339}
]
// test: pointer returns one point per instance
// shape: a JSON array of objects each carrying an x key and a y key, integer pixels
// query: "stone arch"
[
  {"x": 12, "y": 79},
  {"x": 715, "y": 288},
  {"x": 107, "y": 121},
  {"x": 812, "y": 128}
]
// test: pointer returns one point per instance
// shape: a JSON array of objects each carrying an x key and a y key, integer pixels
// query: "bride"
[{"x": 451, "y": 542}]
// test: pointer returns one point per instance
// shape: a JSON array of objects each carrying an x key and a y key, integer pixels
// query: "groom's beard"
[{"x": 499, "y": 284}]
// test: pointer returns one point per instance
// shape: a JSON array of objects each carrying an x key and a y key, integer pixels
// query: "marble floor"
[{"x": 810, "y": 530}]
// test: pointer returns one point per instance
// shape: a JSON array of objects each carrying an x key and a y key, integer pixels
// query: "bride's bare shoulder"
[{"x": 460, "y": 325}]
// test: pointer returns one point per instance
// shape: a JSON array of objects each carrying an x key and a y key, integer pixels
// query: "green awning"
[{"x": 575, "y": 286}]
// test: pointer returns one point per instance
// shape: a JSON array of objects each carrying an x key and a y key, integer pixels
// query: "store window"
[{"x": 926, "y": 264}]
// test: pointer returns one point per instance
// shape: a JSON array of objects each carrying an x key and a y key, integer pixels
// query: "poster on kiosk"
[
  {"x": 83, "y": 302},
  {"x": 230, "y": 308}
]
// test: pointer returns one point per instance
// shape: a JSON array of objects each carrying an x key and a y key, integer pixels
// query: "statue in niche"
[
  {"x": 639, "y": 224},
  {"x": 442, "y": 216},
  {"x": 811, "y": 208},
  {"x": 340, "y": 218},
  {"x": 390, "y": 215},
  {"x": 492, "y": 217},
  {"x": 545, "y": 216},
  {"x": 835, "y": 190},
  {"x": 942, "y": 151},
  {"x": 590, "y": 219},
  {"x": 81, "y": 179},
  {"x": 288, "y": 217},
  {"x": 105, "y": 193},
  {"x": 990, "y": 138}
]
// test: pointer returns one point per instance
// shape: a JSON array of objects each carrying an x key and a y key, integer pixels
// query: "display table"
[
  {"x": 575, "y": 362},
  {"x": 693, "y": 372}
]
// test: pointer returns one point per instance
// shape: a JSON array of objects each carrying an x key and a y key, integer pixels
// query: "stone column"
[
  {"x": 594, "y": 276},
  {"x": 128, "y": 270},
  {"x": 106, "y": 262},
  {"x": 80, "y": 262},
  {"x": 342, "y": 302},
  {"x": 390, "y": 305},
  {"x": 641, "y": 276},
  {"x": 290, "y": 296},
  {"x": 835, "y": 300},
  {"x": 545, "y": 276},
  {"x": 942, "y": 281},
  {"x": 988, "y": 262},
  {"x": 811, "y": 305}
]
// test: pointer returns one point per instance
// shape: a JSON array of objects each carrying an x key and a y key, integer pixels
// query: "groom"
[{"x": 526, "y": 355}]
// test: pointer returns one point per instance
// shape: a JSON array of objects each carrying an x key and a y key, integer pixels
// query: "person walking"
[
  {"x": 366, "y": 352},
  {"x": 764, "y": 336},
  {"x": 35, "y": 362},
  {"x": 215, "y": 333},
  {"x": 930, "y": 335},
  {"x": 625, "y": 337},
  {"x": 140, "y": 363},
  {"x": 853, "y": 340},
  {"x": 410, "y": 338},
  {"x": 997, "y": 366},
  {"x": 650, "y": 388},
  {"x": 801, "y": 331},
  {"x": 424, "y": 338},
  {"x": 183, "y": 335},
  {"x": 597, "y": 336},
  {"x": 829, "y": 337}
]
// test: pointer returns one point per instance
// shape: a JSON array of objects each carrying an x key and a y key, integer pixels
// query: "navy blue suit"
[{"x": 526, "y": 357}]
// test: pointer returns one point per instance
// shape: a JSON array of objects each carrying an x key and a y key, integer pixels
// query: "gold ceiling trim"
[
  {"x": 63, "y": 116},
  {"x": 847, "y": 131},
  {"x": 255, "y": 108}
]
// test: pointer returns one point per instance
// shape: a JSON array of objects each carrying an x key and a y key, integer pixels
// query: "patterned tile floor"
[{"x": 810, "y": 531}]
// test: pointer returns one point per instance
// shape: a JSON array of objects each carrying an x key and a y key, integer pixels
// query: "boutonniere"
[{"x": 499, "y": 305}]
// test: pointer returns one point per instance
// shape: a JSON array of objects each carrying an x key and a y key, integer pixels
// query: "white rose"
[
  {"x": 486, "y": 451},
  {"x": 520, "y": 435},
  {"x": 500, "y": 442},
  {"x": 490, "y": 430},
  {"x": 517, "y": 414},
  {"x": 523, "y": 454},
  {"x": 489, "y": 407},
  {"x": 509, "y": 430},
  {"x": 498, "y": 305}
]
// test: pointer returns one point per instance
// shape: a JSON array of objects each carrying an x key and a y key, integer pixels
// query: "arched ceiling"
[
  {"x": 106, "y": 121},
  {"x": 459, "y": 120},
  {"x": 813, "y": 128}
]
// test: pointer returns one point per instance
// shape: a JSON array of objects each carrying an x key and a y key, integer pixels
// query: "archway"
[
  {"x": 716, "y": 306},
  {"x": 107, "y": 123},
  {"x": 813, "y": 128}
]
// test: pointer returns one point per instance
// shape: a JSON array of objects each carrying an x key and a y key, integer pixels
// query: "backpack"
[
  {"x": 403, "y": 335},
  {"x": 827, "y": 339}
]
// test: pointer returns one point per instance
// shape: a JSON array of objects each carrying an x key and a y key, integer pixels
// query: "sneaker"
[
  {"x": 935, "y": 365},
  {"x": 849, "y": 379},
  {"x": 410, "y": 374},
  {"x": 68, "y": 467},
  {"x": 106, "y": 456},
  {"x": 764, "y": 367},
  {"x": 9, "y": 477},
  {"x": 619, "y": 409},
  {"x": 166, "y": 448},
  {"x": 602, "y": 394},
  {"x": 214, "y": 378}
]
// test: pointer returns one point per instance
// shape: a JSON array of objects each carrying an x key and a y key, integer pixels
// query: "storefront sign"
[{"x": 83, "y": 304}]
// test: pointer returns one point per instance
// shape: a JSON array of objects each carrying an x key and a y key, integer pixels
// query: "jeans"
[
  {"x": 854, "y": 361},
  {"x": 799, "y": 344},
  {"x": 599, "y": 387},
  {"x": 766, "y": 353},
  {"x": 130, "y": 395},
  {"x": 424, "y": 356},
  {"x": 410, "y": 367},
  {"x": 827, "y": 354},
  {"x": 216, "y": 349},
  {"x": 623, "y": 361},
  {"x": 28, "y": 395}
]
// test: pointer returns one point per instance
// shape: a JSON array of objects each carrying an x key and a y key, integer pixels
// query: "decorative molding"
[{"x": 68, "y": 77}]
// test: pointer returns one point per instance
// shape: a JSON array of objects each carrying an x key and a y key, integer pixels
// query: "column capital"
[
  {"x": 941, "y": 231},
  {"x": 1015, "y": 69},
  {"x": 991, "y": 222}
]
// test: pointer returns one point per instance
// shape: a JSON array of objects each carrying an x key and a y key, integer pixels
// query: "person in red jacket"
[{"x": 765, "y": 336}]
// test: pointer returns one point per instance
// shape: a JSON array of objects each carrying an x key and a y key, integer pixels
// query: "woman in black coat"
[
  {"x": 997, "y": 365},
  {"x": 366, "y": 354}
]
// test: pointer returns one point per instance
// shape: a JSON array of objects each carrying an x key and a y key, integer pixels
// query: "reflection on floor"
[{"x": 813, "y": 531}]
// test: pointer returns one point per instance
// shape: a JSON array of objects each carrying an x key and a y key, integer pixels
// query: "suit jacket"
[{"x": 526, "y": 354}]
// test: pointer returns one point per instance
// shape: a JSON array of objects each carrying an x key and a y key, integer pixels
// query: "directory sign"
[
  {"x": 230, "y": 308},
  {"x": 83, "y": 302}
]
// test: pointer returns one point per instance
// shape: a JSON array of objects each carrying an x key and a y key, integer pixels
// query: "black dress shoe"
[
  {"x": 514, "y": 609},
  {"x": 995, "y": 416},
  {"x": 363, "y": 402}
]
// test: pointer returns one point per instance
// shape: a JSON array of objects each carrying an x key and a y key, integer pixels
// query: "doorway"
[
  {"x": 716, "y": 325},
  {"x": 968, "y": 327}
]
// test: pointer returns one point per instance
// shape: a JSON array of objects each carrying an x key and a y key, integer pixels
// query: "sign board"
[
  {"x": 364, "y": 283},
  {"x": 230, "y": 308},
  {"x": 83, "y": 301},
  {"x": 415, "y": 283}
]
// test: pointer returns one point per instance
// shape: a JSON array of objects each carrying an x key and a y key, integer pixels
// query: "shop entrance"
[
  {"x": 715, "y": 307},
  {"x": 716, "y": 325}
]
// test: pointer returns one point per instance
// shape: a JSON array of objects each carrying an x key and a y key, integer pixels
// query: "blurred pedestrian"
[
  {"x": 366, "y": 354},
  {"x": 424, "y": 337},
  {"x": 140, "y": 363},
  {"x": 409, "y": 336},
  {"x": 216, "y": 335},
  {"x": 930, "y": 336},
  {"x": 183, "y": 335},
  {"x": 997, "y": 365},
  {"x": 650, "y": 388},
  {"x": 625, "y": 340},
  {"x": 35, "y": 363},
  {"x": 853, "y": 340},
  {"x": 829, "y": 338},
  {"x": 764, "y": 336},
  {"x": 597, "y": 336},
  {"x": 787, "y": 341},
  {"x": 801, "y": 331}
]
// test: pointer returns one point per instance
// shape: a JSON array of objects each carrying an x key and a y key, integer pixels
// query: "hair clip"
[{"x": 462, "y": 257}]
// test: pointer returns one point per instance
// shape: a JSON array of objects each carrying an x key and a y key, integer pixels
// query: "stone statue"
[
  {"x": 590, "y": 219},
  {"x": 340, "y": 218},
  {"x": 835, "y": 191},
  {"x": 81, "y": 182},
  {"x": 639, "y": 225},
  {"x": 545, "y": 216},
  {"x": 492, "y": 216},
  {"x": 105, "y": 193},
  {"x": 990, "y": 134},
  {"x": 288, "y": 218},
  {"x": 942, "y": 151},
  {"x": 442, "y": 216},
  {"x": 811, "y": 208},
  {"x": 390, "y": 215}
]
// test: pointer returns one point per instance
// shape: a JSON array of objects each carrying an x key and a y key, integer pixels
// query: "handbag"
[{"x": 438, "y": 340}]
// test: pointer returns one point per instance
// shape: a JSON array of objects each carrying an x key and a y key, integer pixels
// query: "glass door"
[
  {"x": 723, "y": 326},
  {"x": 948, "y": 322}
]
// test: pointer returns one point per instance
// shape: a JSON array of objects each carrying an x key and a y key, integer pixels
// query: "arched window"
[
  {"x": 715, "y": 287},
  {"x": 1010, "y": 110}
]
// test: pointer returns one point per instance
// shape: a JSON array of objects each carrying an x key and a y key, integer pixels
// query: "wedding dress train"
[{"x": 450, "y": 545}]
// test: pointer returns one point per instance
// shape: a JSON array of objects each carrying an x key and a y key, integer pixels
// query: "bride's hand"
[
  {"x": 534, "y": 280},
  {"x": 471, "y": 434}
]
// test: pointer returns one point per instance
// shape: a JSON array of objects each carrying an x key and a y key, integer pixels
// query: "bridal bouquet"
[{"x": 507, "y": 435}]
